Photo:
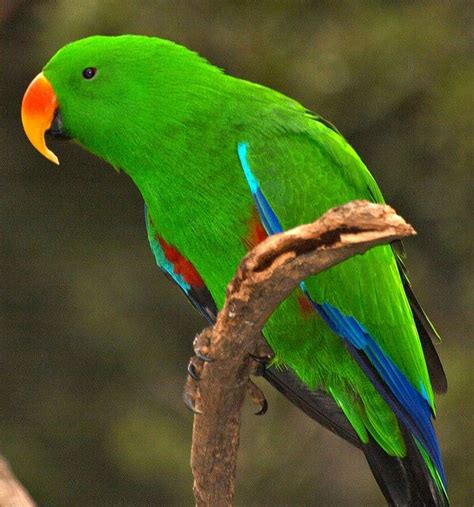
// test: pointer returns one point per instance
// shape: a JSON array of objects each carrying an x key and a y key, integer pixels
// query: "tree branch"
[
  {"x": 265, "y": 277},
  {"x": 12, "y": 493}
]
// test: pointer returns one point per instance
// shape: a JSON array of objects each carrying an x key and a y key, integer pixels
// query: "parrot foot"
[
  {"x": 257, "y": 366},
  {"x": 257, "y": 397},
  {"x": 260, "y": 358},
  {"x": 191, "y": 389},
  {"x": 202, "y": 346}
]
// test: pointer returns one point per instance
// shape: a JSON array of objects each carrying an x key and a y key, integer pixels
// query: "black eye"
[{"x": 89, "y": 72}]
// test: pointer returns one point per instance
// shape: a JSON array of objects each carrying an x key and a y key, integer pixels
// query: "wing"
[
  {"x": 426, "y": 331},
  {"x": 362, "y": 301},
  {"x": 181, "y": 271}
]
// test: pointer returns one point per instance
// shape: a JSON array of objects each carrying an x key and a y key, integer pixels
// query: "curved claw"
[
  {"x": 189, "y": 402},
  {"x": 201, "y": 346},
  {"x": 264, "y": 408},
  {"x": 257, "y": 397},
  {"x": 203, "y": 357},
  {"x": 193, "y": 372},
  {"x": 191, "y": 395}
]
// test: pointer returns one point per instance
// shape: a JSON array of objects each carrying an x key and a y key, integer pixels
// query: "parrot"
[{"x": 222, "y": 163}]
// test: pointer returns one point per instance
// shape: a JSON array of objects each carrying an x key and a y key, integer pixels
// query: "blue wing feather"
[{"x": 409, "y": 404}]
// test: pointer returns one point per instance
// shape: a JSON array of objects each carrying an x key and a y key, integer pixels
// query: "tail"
[{"x": 408, "y": 481}]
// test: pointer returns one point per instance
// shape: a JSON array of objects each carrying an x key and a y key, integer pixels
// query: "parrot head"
[{"x": 101, "y": 90}]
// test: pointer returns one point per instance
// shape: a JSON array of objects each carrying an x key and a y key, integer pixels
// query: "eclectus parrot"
[{"x": 221, "y": 163}]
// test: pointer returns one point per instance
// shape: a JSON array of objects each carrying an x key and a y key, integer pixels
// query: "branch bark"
[
  {"x": 12, "y": 493},
  {"x": 265, "y": 277}
]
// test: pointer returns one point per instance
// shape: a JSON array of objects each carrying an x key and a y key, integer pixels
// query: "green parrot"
[{"x": 221, "y": 164}]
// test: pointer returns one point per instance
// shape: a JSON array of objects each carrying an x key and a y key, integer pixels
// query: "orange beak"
[{"x": 37, "y": 113}]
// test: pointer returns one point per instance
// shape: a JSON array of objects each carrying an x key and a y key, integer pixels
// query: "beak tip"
[{"x": 51, "y": 156}]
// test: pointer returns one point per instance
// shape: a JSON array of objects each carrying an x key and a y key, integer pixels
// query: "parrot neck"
[{"x": 189, "y": 175}]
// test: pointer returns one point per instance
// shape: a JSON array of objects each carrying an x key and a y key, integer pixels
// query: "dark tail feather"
[
  {"x": 427, "y": 332},
  {"x": 390, "y": 474},
  {"x": 428, "y": 336},
  {"x": 404, "y": 481},
  {"x": 318, "y": 404}
]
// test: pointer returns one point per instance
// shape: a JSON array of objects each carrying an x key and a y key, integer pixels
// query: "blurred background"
[{"x": 95, "y": 341}]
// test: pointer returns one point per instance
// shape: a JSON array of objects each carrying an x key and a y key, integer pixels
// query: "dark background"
[{"x": 95, "y": 341}]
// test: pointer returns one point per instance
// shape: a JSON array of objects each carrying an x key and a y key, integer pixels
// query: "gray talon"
[
  {"x": 193, "y": 372},
  {"x": 257, "y": 397},
  {"x": 189, "y": 402},
  {"x": 203, "y": 357},
  {"x": 264, "y": 408}
]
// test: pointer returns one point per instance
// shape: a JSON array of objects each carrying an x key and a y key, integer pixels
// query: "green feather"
[{"x": 172, "y": 122}]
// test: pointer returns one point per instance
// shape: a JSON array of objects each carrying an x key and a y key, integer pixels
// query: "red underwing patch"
[
  {"x": 181, "y": 265},
  {"x": 256, "y": 232},
  {"x": 305, "y": 306}
]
